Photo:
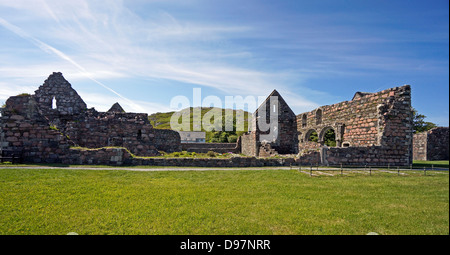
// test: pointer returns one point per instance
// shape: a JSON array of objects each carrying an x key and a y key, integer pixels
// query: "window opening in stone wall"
[
  {"x": 318, "y": 117},
  {"x": 329, "y": 138},
  {"x": 54, "y": 103},
  {"x": 274, "y": 108},
  {"x": 304, "y": 118},
  {"x": 139, "y": 135},
  {"x": 312, "y": 136},
  {"x": 346, "y": 144}
]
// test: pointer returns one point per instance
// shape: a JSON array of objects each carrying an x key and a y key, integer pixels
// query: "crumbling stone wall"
[
  {"x": 373, "y": 128},
  {"x": 282, "y": 139},
  {"x": 26, "y": 133},
  {"x": 205, "y": 147},
  {"x": 58, "y": 89},
  {"x": 382, "y": 118},
  {"x": 432, "y": 144},
  {"x": 121, "y": 156},
  {"x": 420, "y": 145},
  {"x": 43, "y": 133},
  {"x": 248, "y": 143}
]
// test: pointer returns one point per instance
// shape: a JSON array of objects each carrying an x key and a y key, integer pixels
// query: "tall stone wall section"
[
  {"x": 420, "y": 146},
  {"x": 58, "y": 89},
  {"x": 26, "y": 133},
  {"x": 382, "y": 118},
  {"x": 432, "y": 144},
  {"x": 375, "y": 128},
  {"x": 438, "y": 144},
  {"x": 282, "y": 139}
]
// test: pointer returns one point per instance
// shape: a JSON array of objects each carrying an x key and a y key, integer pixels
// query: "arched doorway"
[
  {"x": 312, "y": 136},
  {"x": 328, "y": 137}
]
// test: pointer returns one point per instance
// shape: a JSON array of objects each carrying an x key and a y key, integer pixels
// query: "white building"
[{"x": 192, "y": 136}]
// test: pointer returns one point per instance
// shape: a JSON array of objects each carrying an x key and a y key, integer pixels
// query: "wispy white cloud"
[
  {"x": 102, "y": 102},
  {"x": 47, "y": 48},
  {"x": 103, "y": 42},
  {"x": 111, "y": 41}
]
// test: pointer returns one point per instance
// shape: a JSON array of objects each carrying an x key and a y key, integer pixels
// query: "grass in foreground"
[
  {"x": 422, "y": 163},
  {"x": 59, "y": 201}
]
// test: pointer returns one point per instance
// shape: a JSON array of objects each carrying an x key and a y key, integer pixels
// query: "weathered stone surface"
[
  {"x": 32, "y": 125},
  {"x": 373, "y": 129},
  {"x": 431, "y": 145},
  {"x": 116, "y": 108},
  {"x": 282, "y": 140},
  {"x": 372, "y": 125}
]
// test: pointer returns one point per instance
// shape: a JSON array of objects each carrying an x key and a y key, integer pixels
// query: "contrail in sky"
[{"x": 51, "y": 50}]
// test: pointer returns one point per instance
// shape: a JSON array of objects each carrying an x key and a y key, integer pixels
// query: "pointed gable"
[
  {"x": 116, "y": 108},
  {"x": 283, "y": 106},
  {"x": 57, "y": 95}
]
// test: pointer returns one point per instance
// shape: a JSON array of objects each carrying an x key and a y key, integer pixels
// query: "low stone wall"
[
  {"x": 309, "y": 158},
  {"x": 373, "y": 155},
  {"x": 130, "y": 130},
  {"x": 205, "y": 147},
  {"x": 121, "y": 157}
]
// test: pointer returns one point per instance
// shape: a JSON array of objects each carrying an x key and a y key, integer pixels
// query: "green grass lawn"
[
  {"x": 59, "y": 201},
  {"x": 422, "y": 163}
]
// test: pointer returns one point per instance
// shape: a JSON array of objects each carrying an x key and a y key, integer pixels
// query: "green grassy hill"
[{"x": 162, "y": 121}]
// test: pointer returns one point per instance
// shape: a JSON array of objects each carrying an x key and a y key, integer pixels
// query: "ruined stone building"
[
  {"x": 265, "y": 143},
  {"x": 42, "y": 127},
  {"x": 372, "y": 128},
  {"x": 432, "y": 144}
]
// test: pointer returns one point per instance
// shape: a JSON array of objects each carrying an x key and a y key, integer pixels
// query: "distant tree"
[
  {"x": 419, "y": 123},
  {"x": 314, "y": 137},
  {"x": 330, "y": 138},
  {"x": 223, "y": 138},
  {"x": 232, "y": 138}
]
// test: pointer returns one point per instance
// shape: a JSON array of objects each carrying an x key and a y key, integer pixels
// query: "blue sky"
[{"x": 143, "y": 53}]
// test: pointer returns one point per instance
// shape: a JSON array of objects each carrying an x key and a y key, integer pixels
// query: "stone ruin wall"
[
  {"x": 58, "y": 89},
  {"x": 376, "y": 127},
  {"x": 373, "y": 129},
  {"x": 432, "y": 144},
  {"x": 26, "y": 133},
  {"x": 30, "y": 126},
  {"x": 420, "y": 145},
  {"x": 120, "y": 156},
  {"x": 248, "y": 143},
  {"x": 129, "y": 130},
  {"x": 215, "y": 147},
  {"x": 285, "y": 142}
]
